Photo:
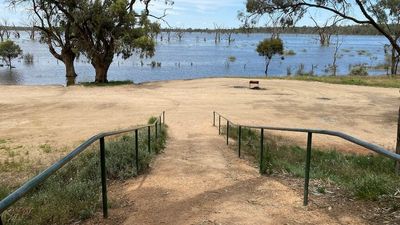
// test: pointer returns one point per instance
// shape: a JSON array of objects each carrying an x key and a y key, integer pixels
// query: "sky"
[{"x": 183, "y": 14}]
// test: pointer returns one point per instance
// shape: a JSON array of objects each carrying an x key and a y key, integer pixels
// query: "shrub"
[{"x": 360, "y": 70}]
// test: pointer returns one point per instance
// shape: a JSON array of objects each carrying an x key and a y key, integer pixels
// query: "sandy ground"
[
  {"x": 35, "y": 117},
  {"x": 198, "y": 180}
]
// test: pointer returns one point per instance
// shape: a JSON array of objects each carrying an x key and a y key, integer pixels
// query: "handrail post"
[
  {"x": 160, "y": 123},
  {"x": 137, "y": 151},
  {"x": 239, "y": 140},
  {"x": 227, "y": 132},
  {"x": 156, "y": 131},
  {"x": 163, "y": 117},
  {"x": 261, "y": 150},
  {"x": 307, "y": 168},
  {"x": 219, "y": 124},
  {"x": 149, "y": 138},
  {"x": 213, "y": 118},
  {"x": 103, "y": 178}
]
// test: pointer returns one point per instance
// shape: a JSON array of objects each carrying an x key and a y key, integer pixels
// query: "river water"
[{"x": 197, "y": 55}]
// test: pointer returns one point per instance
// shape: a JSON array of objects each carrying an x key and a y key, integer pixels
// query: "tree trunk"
[
  {"x": 101, "y": 69},
  {"x": 9, "y": 62},
  {"x": 398, "y": 144},
  {"x": 393, "y": 64},
  {"x": 266, "y": 67},
  {"x": 68, "y": 57}
]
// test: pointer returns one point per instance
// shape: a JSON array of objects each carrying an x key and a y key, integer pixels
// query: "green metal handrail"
[
  {"x": 38, "y": 179},
  {"x": 378, "y": 149}
]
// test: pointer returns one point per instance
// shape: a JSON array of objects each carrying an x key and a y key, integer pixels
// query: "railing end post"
[{"x": 163, "y": 117}]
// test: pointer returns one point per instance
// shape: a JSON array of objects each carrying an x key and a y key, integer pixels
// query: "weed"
[{"x": 46, "y": 148}]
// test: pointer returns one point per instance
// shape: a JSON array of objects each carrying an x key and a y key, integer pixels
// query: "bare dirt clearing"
[{"x": 36, "y": 117}]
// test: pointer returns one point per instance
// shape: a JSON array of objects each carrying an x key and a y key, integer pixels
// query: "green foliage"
[
  {"x": 102, "y": 29},
  {"x": 73, "y": 193},
  {"x": 231, "y": 58},
  {"x": 8, "y": 51},
  {"x": 46, "y": 148},
  {"x": 370, "y": 177},
  {"x": 152, "y": 120},
  {"x": 269, "y": 47},
  {"x": 360, "y": 70}
]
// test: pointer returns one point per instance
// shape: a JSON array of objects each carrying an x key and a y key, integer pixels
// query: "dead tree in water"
[
  {"x": 179, "y": 33},
  {"x": 326, "y": 30},
  {"x": 229, "y": 33},
  {"x": 218, "y": 30},
  {"x": 4, "y": 30}
]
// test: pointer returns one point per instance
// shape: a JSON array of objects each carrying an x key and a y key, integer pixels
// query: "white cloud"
[{"x": 206, "y": 6}]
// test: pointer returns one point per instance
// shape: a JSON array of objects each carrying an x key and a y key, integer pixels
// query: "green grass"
[
  {"x": 73, "y": 193},
  {"x": 110, "y": 83},
  {"x": 46, "y": 148},
  {"x": 375, "y": 81},
  {"x": 368, "y": 177}
]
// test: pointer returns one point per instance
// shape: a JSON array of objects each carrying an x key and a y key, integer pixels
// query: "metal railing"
[
  {"x": 378, "y": 149},
  {"x": 40, "y": 178}
]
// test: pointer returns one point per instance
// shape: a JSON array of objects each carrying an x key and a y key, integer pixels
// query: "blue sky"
[{"x": 184, "y": 13}]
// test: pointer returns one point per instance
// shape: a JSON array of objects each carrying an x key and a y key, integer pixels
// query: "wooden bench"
[{"x": 256, "y": 84}]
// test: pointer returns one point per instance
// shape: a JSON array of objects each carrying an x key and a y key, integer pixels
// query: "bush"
[{"x": 360, "y": 70}]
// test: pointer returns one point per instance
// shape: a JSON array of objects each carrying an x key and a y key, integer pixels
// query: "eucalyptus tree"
[
  {"x": 9, "y": 51},
  {"x": 106, "y": 28},
  {"x": 382, "y": 15},
  {"x": 57, "y": 32},
  {"x": 268, "y": 48}
]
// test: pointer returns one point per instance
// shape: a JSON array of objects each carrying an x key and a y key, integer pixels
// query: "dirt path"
[{"x": 199, "y": 180}]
